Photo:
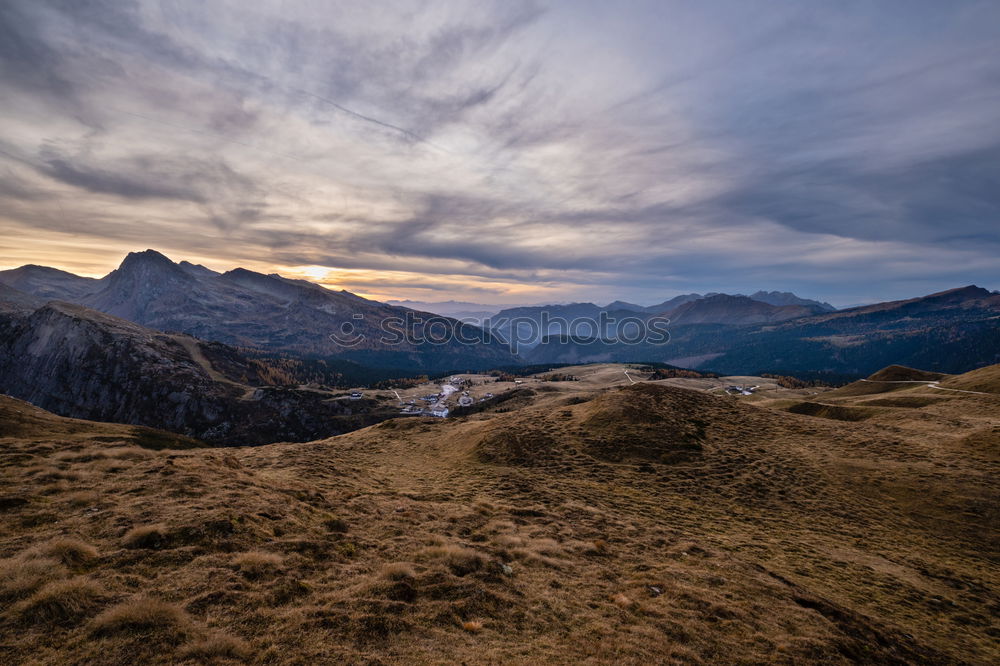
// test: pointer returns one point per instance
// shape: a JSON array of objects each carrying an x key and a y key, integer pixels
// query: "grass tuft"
[
  {"x": 70, "y": 551},
  {"x": 472, "y": 626},
  {"x": 142, "y": 616},
  {"x": 20, "y": 577},
  {"x": 397, "y": 571},
  {"x": 459, "y": 560},
  {"x": 622, "y": 601},
  {"x": 336, "y": 525},
  {"x": 82, "y": 498},
  {"x": 216, "y": 646},
  {"x": 146, "y": 536},
  {"x": 258, "y": 563},
  {"x": 60, "y": 602}
]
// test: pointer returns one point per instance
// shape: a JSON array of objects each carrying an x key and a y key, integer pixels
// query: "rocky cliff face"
[{"x": 80, "y": 363}]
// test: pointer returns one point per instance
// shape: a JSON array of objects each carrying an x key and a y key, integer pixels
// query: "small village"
[
  {"x": 456, "y": 391},
  {"x": 440, "y": 398}
]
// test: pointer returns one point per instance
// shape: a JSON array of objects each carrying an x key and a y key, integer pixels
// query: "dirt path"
[
  {"x": 933, "y": 385},
  {"x": 194, "y": 350}
]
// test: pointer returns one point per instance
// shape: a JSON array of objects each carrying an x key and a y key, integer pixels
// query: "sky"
[{"x": 510, "y": 152}]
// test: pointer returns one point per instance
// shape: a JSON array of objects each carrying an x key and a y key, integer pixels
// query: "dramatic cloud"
[{"x": 510, "y": 151}]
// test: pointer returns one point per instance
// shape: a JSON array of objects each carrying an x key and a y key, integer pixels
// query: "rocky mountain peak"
[{"x": 145, "y": 260}]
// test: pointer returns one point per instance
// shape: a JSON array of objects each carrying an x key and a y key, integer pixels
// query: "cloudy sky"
[{"x": 510, "y": 152}]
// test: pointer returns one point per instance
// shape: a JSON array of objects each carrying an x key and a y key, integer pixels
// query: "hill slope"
[
  {"x": 21, "y": 420},
  {"x": 985, "y": 379},
  {"x": 780, "y": 537},
  {"x": 48, "y": 283}
]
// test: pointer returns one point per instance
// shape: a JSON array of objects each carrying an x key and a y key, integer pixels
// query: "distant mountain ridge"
[
  {"x": 769, "y": 297},
  {"x": 249, "y": 309},
  {"x": 737, "y": 310},
  {"x": 584, "y": 319},
  {"x": 788, "y": 298},
  {"x": 48, "y": 283},
  {"x": 472, "y": 313},
  {"x": 953, "y": 331}
]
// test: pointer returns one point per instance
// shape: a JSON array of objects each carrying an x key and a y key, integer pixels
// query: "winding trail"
[
  {"x": 933, "y": 385},
  {"x": 194, "y": 350}
]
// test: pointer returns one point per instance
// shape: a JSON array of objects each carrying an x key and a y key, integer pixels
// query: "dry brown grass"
[
  {"x": 70, "y": 551},
  {"x": 82, "y": 498},
  {"x": 146, "y": 536},
  {"x": 142, "y": 616},
  {"x": 985, "y": 379},
  {"x": 397, "y": 571},
  {"x": 60, "y": 602},
  {"x": 129, "y": 453},
  {"x": 531, "y": 556},
  {"x": 458, "y": 559},
  {"x": 623, "y": 601},
  {"x": 51, "y": 474},
  {"x": 258, "y": 563},
  {"x": 110, "y": 466},
  {"x": 21, "y": 576},
  {"x": 336, "y": 525},
  {"x": 786, "y": 538},
  {"x": 216, "y": 646},
  {"x": 77, "y": 456}
]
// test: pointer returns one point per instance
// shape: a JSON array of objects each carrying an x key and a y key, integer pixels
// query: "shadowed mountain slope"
[
  {"x": 21, "y": 420},
  {"x": 82, "y": 363}
]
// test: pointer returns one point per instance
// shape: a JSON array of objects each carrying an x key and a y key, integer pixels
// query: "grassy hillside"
[
  {"x": 985, "y": 379},
  {"x": 20, "y": 420},
  {"x": 635, "y": 525}
]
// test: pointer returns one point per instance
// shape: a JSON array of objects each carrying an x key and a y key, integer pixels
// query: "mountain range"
[
  {"x": 256, "y": 313},
  {"x": 769, "y": 297},
  {"x": 530, "y": 325},
  {"x": 248, "y": 309},
  {"x": 479, "y": 311},
  {"x": 470, "y": 313},
  {"x": 951, "y": 331}
]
